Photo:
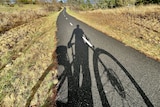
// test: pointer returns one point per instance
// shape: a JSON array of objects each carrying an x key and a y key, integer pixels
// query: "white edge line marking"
[
  {"x": 66, "y": 18},
  {"x": 71, "y": 24}
]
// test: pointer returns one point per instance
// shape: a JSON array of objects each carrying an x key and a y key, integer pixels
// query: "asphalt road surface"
[{"x": 96, "y": 70}]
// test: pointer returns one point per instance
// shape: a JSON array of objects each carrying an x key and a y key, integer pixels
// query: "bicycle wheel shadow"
[
  {"x": 110, "y": 74},
  {"x": 114, "y": 79}
]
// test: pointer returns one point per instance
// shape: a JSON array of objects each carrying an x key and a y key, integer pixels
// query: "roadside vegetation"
[
  {"x": 27, "y": 55},
  {"x": 138, "y": 27}
]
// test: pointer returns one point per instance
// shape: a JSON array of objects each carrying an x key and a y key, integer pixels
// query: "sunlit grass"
[
  {"x": 11, "y": 17},
  {"x": 17, "y": 8},
  {"x": 138, "y": 27},
  {"x": 26, "y": 52}
]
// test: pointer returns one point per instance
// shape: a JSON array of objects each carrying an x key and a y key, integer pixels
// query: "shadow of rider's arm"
[{"x": 69, "y": 43}]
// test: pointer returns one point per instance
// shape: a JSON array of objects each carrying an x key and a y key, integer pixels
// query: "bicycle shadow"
[{"x": 80, "y": 94}]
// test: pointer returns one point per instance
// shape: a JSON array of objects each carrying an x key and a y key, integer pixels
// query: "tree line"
[
  {"x": 147, "y": 2},
  {"x": 27, "y": 1},
  {"x": 88, "y": 4},
  {"x": 110, "y": 3}
]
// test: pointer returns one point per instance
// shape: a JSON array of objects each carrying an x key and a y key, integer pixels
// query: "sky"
[
  {"x": 13, "y": 1},
  {"x": 63, "y": 0}
]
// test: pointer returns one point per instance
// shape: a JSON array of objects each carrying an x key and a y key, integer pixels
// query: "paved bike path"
[{"x": 145, "y": 71}]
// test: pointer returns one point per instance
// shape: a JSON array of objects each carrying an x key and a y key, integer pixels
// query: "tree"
[
  {"x": 117, "y": 3},
  {"x": 8, "y": 1},
  {"x": 103, "y": 3},
  {"x": 156, "y": 1},
  {"x": 138, "y": 2},
  {"x": 88, "y": 3},
  {"x": 27, "y": 1}
]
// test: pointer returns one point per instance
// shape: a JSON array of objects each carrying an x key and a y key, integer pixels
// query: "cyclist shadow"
[{"x": 76, "y": 72}]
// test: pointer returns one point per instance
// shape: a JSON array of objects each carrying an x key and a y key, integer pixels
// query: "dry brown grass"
[
  {"x": 138, "y": 27},
  {"x": 12, "y": 18},
  {"x": 27, "y": 58},
  {"x": 17, "y": 8}
]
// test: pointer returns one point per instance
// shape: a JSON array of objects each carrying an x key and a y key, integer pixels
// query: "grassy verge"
[
  {"x": 138, "y": 27},
  {"x": 17, "y": 8},
  {"x": 28, "y": 63},
  {"x": 11, "y": 17}
]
